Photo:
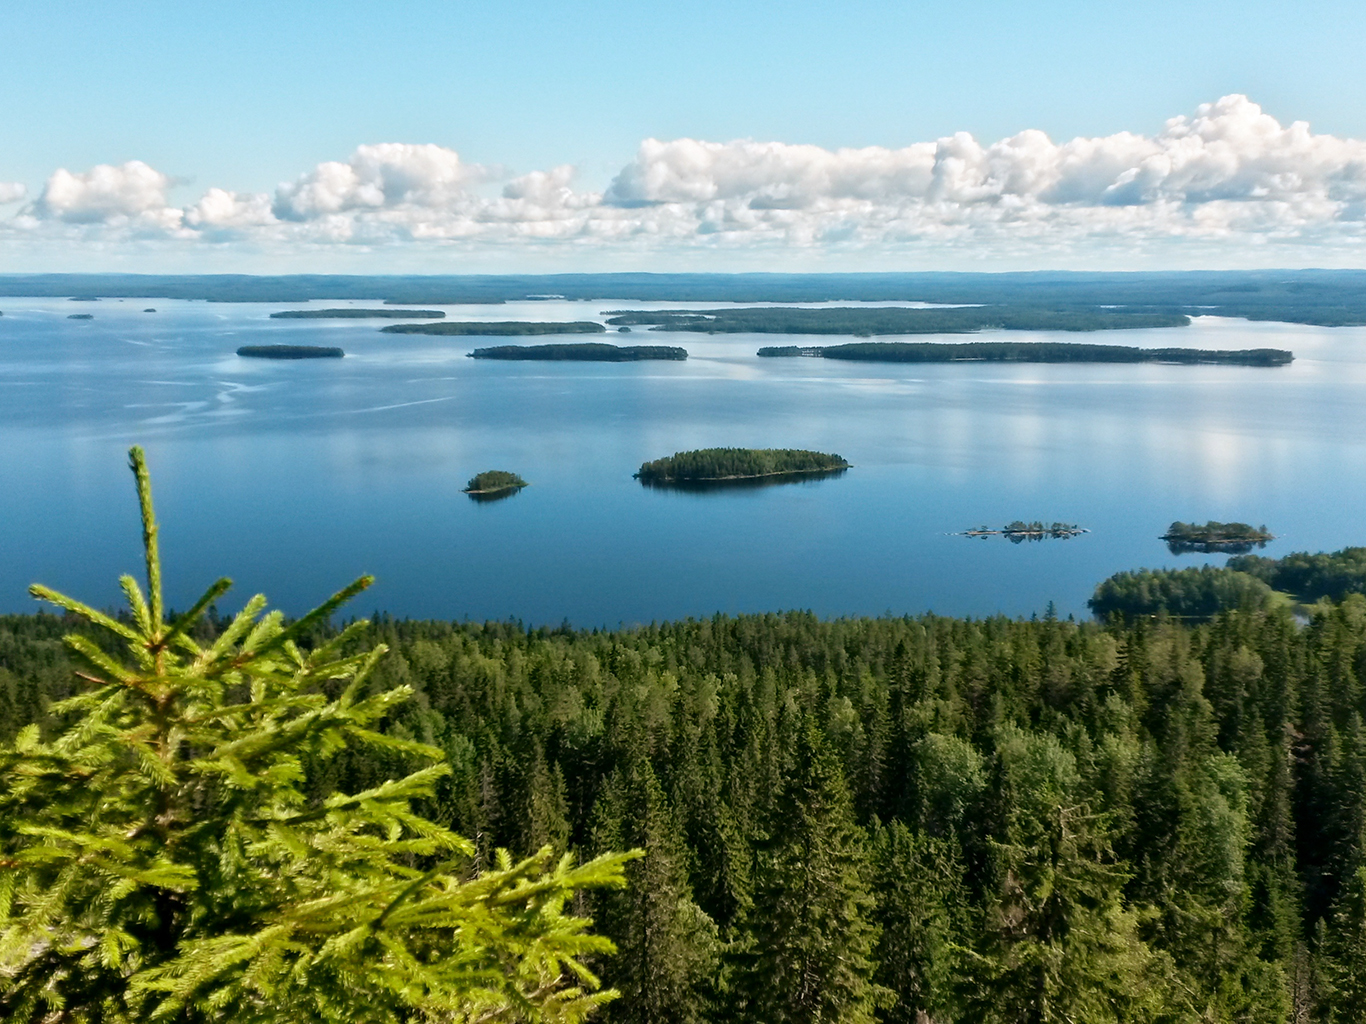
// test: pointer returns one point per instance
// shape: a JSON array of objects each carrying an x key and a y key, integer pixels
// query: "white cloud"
[
  {"x": 1229, "y": 176},
  {"x": 132, "y": 193},
  {"x": 11, "y": 192}
]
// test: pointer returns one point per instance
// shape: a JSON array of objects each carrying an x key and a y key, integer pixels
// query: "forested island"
[
  {"x": 497, "y": 328},
  {"x": 1028, "y": 352},
  {"x": 358, "y": 314},
  {"x": 867, "y": 322},
  {"x": 494, "y": 482},
  {"x": 714, "y": 465},
  {"x": 1213, "y": 536},
  {"x": 1019, "y": 531},
  {"x": 290, "y": 352},
  {"x": 593, "y": 352},
  {"x": 80, "y": 316}
]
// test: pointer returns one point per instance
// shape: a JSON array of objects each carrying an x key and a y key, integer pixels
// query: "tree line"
[{"x": 900, "y": 819}]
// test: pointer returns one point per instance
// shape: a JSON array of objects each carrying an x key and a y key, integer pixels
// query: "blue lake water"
[{"x": 294, "y": 477}]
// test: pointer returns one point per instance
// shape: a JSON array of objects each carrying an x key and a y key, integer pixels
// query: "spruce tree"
[
  {"x": 162, "y": 860},
  {"x": 806, "y": 956},
  {"x": 667, "y": 948}
]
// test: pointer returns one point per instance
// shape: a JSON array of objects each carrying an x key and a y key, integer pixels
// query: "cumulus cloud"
[
  {"x": 11, "y": 192},
  {"x": 1229, "y": 174},
  {"x": 105, "y": 194}
]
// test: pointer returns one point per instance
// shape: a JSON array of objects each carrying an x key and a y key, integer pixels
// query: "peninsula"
[
  {"x": 1028, "y": 352},
  {"x": 494, "y": 481},
  {"x": 498, "y": 328},
  {"x": 714, "y": 465},
  {"x": 591, "y": 352},
  {"x": 290, "y": 352},
  {"x": 358, "y": 314}
]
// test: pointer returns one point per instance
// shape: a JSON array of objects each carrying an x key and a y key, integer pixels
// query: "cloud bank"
[{"x": 1229, "y": 176}]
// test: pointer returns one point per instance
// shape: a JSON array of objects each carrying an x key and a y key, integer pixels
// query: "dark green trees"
[{"x": 805, "y": 955}]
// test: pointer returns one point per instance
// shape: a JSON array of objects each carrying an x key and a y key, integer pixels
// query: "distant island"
[
  {"x": 498, "y": 328},
  {"x": 149, "y": 310},
  {"x": 866, "y": 322},
  {"x": 714, "y": 465},
  {"x": 1028, "y": 352},
  {"x": 1233, "y": 538},
  {"x": 592, "y": 352},
  {"x": 357, "y": 314},
  {"x": 1020, "y": 531},
  {"x": 80, "y": 316},
  {"x": 290, "y": 352},
  {"x": 494, "y": 482}
]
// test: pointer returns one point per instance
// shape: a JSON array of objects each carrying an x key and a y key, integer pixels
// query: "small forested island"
[
  {"x": 1027, "y": 352},
  {"x": 80, "y": 316},
  {"x": 149, "y": 310},
  {"x": 1019, "y": 531},
  {"x": 866, "y": 322},
  {"x": 712, "y": 465},
  {"x": 494, "y": 481},
  {"x": 498, "y": 328},
  {"x": 1212, "y": 536},
  {"x": 591, "y": 352},
  {"x": 358, "y": 314},
  {"x": 290, "y": 352}
]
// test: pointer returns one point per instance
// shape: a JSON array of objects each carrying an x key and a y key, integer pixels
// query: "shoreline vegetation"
[
  {"x": 590, "y": 352},
  {"x": 726, "y": 465},
  {"x": 358, "y": 314},
  {"x": 290, "y": 352},
  {"x": 493, "y": 484},
  {"x": 1231, "y": 538},
  {"x": 1020, "y": 531},
  {"x": 866, "y": 322},
  {"x": 497, "y": 328},
  {"x": 1028, "y": 352}
]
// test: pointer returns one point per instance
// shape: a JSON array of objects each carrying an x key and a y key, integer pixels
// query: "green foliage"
[
  {"x": 805, "y": 954},
  {"x": 493, "y": 480},
  {"x": 290, "y": 352},
  {"x": 589, "y": 352},
  {"x": 1310, "y": 576},
  {"x": 1196, "y": 593},
  {"x": 1147, "y": 820},
  {"x": 709, "y": 464},
  {"x": 167, "y": 855}
]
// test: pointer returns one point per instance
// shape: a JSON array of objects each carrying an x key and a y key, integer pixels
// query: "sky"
[{"x": 534, "y": 136}]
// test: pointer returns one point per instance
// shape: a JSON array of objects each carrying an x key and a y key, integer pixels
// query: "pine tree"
[
  {"x": 807, "y": 955},
  {"x": 162, "y": 860}
]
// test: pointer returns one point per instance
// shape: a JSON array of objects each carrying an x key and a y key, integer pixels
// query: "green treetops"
[{"x": 162, "y": 860}]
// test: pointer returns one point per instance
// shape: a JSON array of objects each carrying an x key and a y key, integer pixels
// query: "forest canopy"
[
  {"x": 591, "y": 352},
  {"x": 1028, "y": 352},
  {"x": 892, "y": 320},
  {"x": 711, "y": 464},
  {"x": 492, "y": 481}
]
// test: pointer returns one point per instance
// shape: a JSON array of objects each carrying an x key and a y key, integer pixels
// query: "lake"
[{"x": 295, "y": 477}]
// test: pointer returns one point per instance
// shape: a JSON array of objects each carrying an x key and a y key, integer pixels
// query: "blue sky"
[{"x": 243, "y": 97}]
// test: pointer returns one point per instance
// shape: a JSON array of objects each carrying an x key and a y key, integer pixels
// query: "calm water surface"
[{"x": 294, "y": 477}]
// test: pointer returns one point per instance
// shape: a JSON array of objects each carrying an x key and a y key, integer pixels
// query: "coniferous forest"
[{"x": 900, "y": 819}]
